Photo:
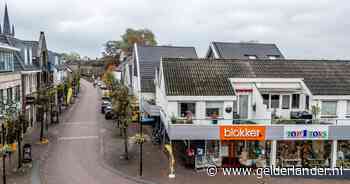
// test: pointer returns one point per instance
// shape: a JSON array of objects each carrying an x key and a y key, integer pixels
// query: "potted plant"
[
  {"x": 173, "y": 119},
  {"x": 315, "y": 109}
]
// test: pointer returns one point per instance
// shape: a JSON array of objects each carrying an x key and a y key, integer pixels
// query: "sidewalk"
[{"x": 30, "y": 173}]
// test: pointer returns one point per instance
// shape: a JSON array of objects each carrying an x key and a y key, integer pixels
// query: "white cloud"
[{"x": 301, "y": 28}]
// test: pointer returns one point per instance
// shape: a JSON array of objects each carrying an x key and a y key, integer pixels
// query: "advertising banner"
[
  {"x": 242, "y": 132},
  {"x": 306, "y": 132}
]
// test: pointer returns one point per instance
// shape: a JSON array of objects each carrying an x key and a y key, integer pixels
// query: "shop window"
[
  {"x": 214, "y": 108},
  {"x": 187, "y": 108},
  {"x": 266, "y": 98},
  {"x": 296, "y": 101},
  {"x": 329, "y": 108},
  {"x": 285, "y": 102},
  {"x": 275, "y": 101},
  {"x": 213, "y": 149}
]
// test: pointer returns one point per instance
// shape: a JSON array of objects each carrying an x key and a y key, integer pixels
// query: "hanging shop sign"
[
  {"x": 306, "y": 132},
  {"x": 242, "y": 132}
]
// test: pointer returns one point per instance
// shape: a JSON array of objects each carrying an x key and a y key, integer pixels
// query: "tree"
[
  {"x": 121, "y": 103},
  {"x": 131, "y": 36},
  {"x": 111, "y": 48},
  {"x": 72, "y": 56}
]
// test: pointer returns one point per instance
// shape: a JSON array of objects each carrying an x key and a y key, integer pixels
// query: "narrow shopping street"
[{"x": 74, "y": 156}]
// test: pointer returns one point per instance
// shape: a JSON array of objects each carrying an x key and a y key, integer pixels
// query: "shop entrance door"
[{"x": 243, "y": 106}]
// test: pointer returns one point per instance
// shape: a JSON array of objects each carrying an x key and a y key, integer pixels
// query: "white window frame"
[
  {"x": 329, "y": 115},
  {"x": 221, "y": 107}
]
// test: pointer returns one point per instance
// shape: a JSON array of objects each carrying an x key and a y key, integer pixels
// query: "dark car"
[
  {"x": 106, "y": 101},
  {"x": 109, "y": 113}
]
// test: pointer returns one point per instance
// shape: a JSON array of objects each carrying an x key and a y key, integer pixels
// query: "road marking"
[
  {"x": 77, "y": 138},
  {"x": 80, "y": 123}
]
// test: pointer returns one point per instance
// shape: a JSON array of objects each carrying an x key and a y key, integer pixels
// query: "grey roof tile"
[
  {"x": 205, "y": 77},
  {"x": 240, "y": 50},
  {"x": 149, "y": 59}
]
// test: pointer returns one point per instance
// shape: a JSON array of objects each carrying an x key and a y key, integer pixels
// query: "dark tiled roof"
[
  {"x": 148, "y": 86},
  {"x": 204, "y": 77},
  {"x": 149, "y": 58},
  {"x": 19, "y": 56},
  {"x": 231, "y": 50}
]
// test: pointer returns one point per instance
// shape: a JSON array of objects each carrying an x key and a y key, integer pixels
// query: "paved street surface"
[
  {"x": 74, "y": 155},
  {"x": 86, "y": 149}
]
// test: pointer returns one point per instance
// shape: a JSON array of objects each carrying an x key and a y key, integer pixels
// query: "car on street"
[
  {"x": 109, "y": 113},
  {"x": 106, "y": 101}
]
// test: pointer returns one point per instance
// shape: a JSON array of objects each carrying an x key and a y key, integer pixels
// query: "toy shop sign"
[{"x": 306, "y": 132}]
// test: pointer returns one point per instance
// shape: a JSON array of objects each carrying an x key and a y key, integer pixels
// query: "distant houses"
[{"x": 26, "y": 66}]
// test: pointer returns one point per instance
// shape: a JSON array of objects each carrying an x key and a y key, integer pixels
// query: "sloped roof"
[
  {"x": 19, "y": 56},
  {"x": 149, "y": 59},
  {"x": 241, "y": 50},
  {"x": 205, "y": 77}
]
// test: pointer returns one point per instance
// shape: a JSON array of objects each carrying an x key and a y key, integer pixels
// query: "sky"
[{"x": 302, "y": 29}]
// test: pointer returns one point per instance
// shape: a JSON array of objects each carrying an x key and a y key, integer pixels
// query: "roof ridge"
[
  {"x": 166, "y": 46},
  {"x": 253, "y": 60},
  {"x": 253, "y": 43}
]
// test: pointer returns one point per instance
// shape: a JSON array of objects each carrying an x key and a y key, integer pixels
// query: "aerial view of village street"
[{"x": 174, "y": 92}]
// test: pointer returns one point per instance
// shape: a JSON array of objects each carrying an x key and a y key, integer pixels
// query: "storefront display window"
[
  {"x": 303, "y": 153},
  {"x": 208, "y": 153},
  {"x": 343, "y": 154}
]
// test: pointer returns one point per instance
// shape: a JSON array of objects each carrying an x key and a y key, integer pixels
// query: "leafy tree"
[
  {"x": 111, "y": 48},
  {"x": 72, "y": 56},
  {"x": 131, "y": 36},
  {"x": 121, "y": 104}
]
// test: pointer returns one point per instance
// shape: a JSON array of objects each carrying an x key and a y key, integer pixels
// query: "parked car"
[
  {"x": 109, "y": 113},
  {"x": 106, "y": 101}
]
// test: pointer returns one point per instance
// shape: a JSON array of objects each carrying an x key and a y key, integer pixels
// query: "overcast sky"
[{"x": 301, "y": 28}]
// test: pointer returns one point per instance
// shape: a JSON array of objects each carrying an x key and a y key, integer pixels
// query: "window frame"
[
  {"x": 268, "y": 100},
  {"x": 186, "y": 102},
  {"x": 322, "y": 108},
  {"x": 293, "y": 101},
  {"x": 220, "y": 109},
  {"x": 279, "y": 101},
  {"x": 289, "y": 101}
]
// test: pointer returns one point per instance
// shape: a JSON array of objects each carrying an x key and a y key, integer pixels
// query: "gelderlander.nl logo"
[{"x": 274, "y": 171}]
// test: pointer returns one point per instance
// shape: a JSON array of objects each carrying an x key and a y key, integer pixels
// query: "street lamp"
[{"x": 2, "y": 149}]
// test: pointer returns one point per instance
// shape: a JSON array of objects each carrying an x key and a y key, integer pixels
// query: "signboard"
[
  {"x": 242, "y": 132},
  {"x": 306, "y": 132}
]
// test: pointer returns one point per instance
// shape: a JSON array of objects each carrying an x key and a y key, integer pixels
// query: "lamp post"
[
  {"x": 141, "y": 142},
  {"x": 3, "y": 152}
]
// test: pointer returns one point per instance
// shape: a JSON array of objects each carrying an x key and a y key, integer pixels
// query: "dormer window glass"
[{"x": 6, "y": 61}]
